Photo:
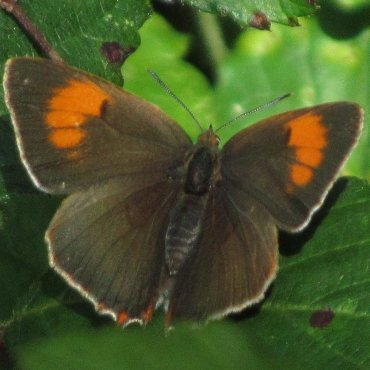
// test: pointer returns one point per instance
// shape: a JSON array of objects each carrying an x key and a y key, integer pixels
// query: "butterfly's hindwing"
[
  {"x": 233, "y": 263},
  {"x": 108, "y": 242}
]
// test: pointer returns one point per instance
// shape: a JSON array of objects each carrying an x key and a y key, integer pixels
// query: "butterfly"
[{"x": 150, "y": 218}]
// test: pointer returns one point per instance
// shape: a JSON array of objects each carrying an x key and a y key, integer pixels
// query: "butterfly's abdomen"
[
  {"x": 183, "y": 230},
  {"x": 186, "y": 218}
]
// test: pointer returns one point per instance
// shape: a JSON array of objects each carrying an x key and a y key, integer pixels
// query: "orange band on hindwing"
[
  {"x": 308, "y": 139},
  {"x": 122, "y": 318}
]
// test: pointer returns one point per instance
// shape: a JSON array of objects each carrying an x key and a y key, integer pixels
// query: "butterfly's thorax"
[{"x": 200, "y": 173}]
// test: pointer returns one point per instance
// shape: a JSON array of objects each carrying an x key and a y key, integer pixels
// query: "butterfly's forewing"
[
  {"x": 288, "y": 162},
  {"x": 108, "y": 242},
  {"x": 234, "y": 262},
  {"x": 74, "y": 129}
]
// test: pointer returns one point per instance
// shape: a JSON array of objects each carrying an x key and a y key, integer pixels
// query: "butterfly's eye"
[
  {"x": 209, "y": 138},
  {"x": 213, "y": 139}
]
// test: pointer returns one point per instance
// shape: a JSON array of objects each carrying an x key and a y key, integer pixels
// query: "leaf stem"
[
  {"x": 212, "y": 38},
  {"x": 13, "y": 8}
]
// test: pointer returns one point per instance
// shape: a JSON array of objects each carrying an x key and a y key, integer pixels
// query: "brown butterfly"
[{"x": 152, "y": 218}]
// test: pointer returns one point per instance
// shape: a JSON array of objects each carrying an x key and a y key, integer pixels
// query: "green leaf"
[
  {"x": 185, "y": 348},
  {"x": 331, "y": 271},
  {"x": 76, "y": 29},
  {"x": 23, "y": 220},
  {"x": 243, "y": 12}
]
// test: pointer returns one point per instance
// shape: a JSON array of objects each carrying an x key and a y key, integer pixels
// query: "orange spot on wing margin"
[
  {"x": 123, "y": 317},
  {"x": 147, "y": 314}
]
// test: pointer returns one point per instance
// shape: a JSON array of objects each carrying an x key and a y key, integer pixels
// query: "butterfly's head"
[{"x": 209, "y": 138}]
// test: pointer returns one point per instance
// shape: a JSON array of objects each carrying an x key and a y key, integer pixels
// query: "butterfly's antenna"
[
  {"x": 272, "y": 102},
  {"x": 170, "y": 92}
]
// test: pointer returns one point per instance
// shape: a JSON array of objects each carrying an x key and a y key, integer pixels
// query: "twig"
[{"x": 12, "y": 7}]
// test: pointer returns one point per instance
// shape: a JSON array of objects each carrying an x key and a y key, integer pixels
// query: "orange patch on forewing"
[
  {"x": 72, "y": 105},
  {"x": 307, "y": 131},
  {"x": 66, "y": 138},
  {"x": 63, "y": 119},
  {"x": 300, "y": 175},
  {"x": 308, "y": 138},
  {"x": 309, "y": 156}
]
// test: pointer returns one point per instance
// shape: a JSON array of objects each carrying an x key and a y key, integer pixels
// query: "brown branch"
[{"x": 13, "y": 8}]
